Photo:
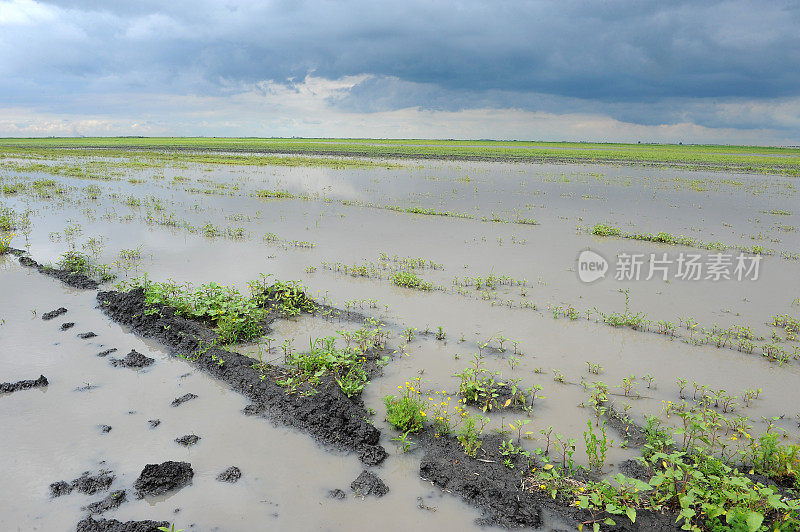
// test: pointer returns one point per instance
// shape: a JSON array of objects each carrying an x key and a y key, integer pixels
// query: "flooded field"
[{"x": 465, "y": 278}]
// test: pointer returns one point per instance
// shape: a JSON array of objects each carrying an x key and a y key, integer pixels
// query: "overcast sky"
[{"x": 666, "y": 71}]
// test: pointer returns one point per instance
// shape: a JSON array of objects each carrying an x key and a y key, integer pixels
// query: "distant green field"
[{"x": 757, "y": 159}]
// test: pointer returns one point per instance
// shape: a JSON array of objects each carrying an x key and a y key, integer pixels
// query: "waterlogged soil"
[
  {"x": 203, "y": 223},
  {"x": 328, "y": 414},
  {"x": 73, "y": 279},
  {"x": 507, "y": 494},
  {"x": 268, "y": 458}
]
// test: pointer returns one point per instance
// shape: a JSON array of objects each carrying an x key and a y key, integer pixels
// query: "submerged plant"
[{"x": 410, "y": 279}]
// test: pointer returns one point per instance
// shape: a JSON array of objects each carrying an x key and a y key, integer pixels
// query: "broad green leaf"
[{"x": 754, "y": 520}]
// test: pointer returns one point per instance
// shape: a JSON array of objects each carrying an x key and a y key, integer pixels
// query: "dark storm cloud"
[{"x": 624, "y": 58}]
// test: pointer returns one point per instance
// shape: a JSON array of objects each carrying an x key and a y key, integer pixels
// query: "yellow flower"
[{"x": 422, "y": 413}]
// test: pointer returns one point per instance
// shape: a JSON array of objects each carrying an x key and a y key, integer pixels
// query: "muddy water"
[
  {"x": 53, "y": 433},
  {"x": 286, "y": 469}
]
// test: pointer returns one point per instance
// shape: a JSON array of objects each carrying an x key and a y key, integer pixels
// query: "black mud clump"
[
  {"x": 112, "y": 525},
  {"x": 111, "y": 501},
  {"x": 87, "y": 335},
  {"x": 57, "y": 489},
  {"x": 9, "y": 387},
  {"x": 336, "y": 494},
  {"x": 161, "y": 478},
  {"x": 47, "y": 316},
  {"x": 183, "y": 398},
  {"x": 328, "y": 414},
  {"x": 188, "y": 440},
  {"x": 134, "y": 359},
  {"x": 75, "y": 280},
  {"x": 67, "y": 325},
  {"x": 91, "y": 484},
  {"x": 105, "y": 429},
  {"x": 232, "y": 475},
  {"x": 107, "y": 352},
  {"x": 368, "y": 483},
  {"x": 86, "y": 483}
]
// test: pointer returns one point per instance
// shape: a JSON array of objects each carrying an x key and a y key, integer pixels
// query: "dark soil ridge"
[
  {"x": 9, "y": 387},
  {"x": 112, "y": 525},
  {"x": 328, "y": 415},
  {"x": 75, "y": 280},
  {"x": 505, "y": 495},
  {"x": 627, "y": 429}
]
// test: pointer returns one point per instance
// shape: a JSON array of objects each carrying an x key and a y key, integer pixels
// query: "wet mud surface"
[
  {"x": 329, "y": 415},
  {"x": 91, "y": 524},
  {"x": 629, "y": 431}
]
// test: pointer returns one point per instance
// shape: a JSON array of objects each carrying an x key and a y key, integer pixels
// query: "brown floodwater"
[{"x": 52, "y": 434}]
